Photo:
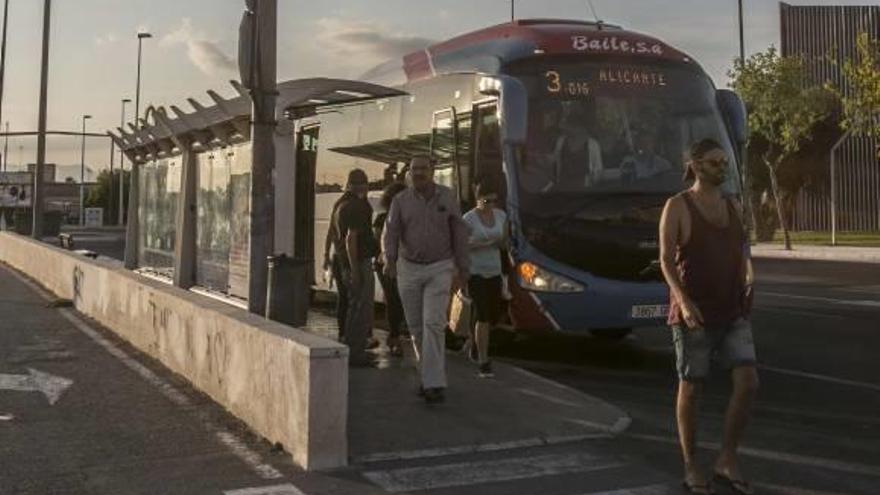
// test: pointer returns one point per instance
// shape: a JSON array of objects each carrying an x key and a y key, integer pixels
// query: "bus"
[{"x": 584, "y": 126}]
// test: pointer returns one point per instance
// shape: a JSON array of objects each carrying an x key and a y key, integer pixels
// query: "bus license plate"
[{"x": 650, "y": 311}]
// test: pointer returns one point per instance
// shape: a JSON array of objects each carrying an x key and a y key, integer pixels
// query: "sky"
[{"x": 93, "y": 51}]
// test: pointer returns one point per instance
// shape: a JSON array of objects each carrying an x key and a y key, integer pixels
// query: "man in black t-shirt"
[
  {"x": 333, "y": 263},
  {"x": 357, "y": 247}
]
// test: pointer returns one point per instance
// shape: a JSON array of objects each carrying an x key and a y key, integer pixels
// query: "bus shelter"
[{"x": 190, "y": 200}]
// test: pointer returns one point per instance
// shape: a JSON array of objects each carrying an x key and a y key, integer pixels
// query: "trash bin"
[
  {"x": 287, "y": 291},
  {"x": 52, "y": 223},
  {"x": 24, "y": 219}
]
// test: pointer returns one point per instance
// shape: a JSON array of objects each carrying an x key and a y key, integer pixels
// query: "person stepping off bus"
[
  {"x": 488, "y": 227},
  {"x": 393, "y": 306},
  {"x": 425, "y": 247},
  {"x": 357, "y": 247},
  {"x": 705, "y": 259}
]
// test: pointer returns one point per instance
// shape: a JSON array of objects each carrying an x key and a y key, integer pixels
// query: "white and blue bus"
[{"x": 585, "y": 125}]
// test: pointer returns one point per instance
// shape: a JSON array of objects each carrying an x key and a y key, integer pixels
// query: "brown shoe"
[{"x": 434, "y": 396}]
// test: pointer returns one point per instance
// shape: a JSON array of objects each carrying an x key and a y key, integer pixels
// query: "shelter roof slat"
[{"x": 232, "y": 113}]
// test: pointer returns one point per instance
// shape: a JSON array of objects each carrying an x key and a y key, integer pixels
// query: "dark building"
[{"x": 823, "y": 35}]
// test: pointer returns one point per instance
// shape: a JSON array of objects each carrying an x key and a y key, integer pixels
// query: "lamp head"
[{"x": 144, "y": 35}]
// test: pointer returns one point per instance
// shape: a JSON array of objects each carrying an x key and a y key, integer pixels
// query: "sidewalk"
[
  {"x": 388, "y": 421},
  {"x": 817, "y": 253}
]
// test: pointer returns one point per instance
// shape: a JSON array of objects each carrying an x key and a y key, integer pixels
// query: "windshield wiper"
[{"x": 595, "y": 198}]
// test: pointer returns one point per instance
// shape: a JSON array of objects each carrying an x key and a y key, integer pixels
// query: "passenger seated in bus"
[
  {"x": 578, "y": 156},
  {"x": 538, "y": 171},
  {"x": 547, "y": 131},
  {"x": 643, "y": 162}
]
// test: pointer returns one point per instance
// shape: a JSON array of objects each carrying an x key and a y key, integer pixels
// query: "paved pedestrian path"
[{"x": 515, "y": 409}]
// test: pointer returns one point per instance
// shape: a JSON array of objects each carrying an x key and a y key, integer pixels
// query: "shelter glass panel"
[
  {"x": 160, "y": 188},
  {"x": 214, "y": 205},
  {"x": 239, "y": 219},
  {"x": 223, "y": 220}
]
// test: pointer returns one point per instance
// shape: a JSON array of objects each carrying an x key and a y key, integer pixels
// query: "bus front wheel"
[{"x": 613, "y": 334}]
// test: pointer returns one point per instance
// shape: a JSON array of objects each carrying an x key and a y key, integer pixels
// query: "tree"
[
  {"x": 861, "y": 106},
  {"x": 783, "y": 110},
  {"x": 99, "y": 195}
]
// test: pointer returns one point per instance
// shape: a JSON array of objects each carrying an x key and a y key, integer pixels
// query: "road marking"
[
  {"x": 235, "y": 445},
  {"x": 238, "y": 448},
  {"x": 863, "y": 303},
  {"x": 658, "y": 489},
  {"x": 285, "y": 489},
  {"x": 824, "y": 378},
  {"x": 809, "y": 314},
  {"x": 620, "y": 424},
  {"x": 864, "y": 289},
  {"x": 403, "y": 455},
  {"x": 791, "y": 490},
  {"x": 795, "y": 411},
  {"x": 37, "y": 381},
  {"x": 550, "y": 398},
  {"x": 6, "y": 417},
  {"x": 818, "y": 462},
  {"x": 492, "y": 471}
]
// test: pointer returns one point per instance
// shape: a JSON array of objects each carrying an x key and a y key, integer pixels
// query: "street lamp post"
[
  {"x": 37, "y": 196},
  {"x": 137, "y": 93},
  {"x": 6, "y": 149},
  {"x": 131, "y": 231},
  {"x": 742, "y": 43},
  {"x": 121, "y": 212},
  {"x": 3, "y": 61},
  {"x": 82, "y": 173}
]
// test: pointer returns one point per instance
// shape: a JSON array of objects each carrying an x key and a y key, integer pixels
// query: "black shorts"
[{"x": 486, "y": 294}]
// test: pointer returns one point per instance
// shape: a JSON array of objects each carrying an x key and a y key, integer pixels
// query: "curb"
[{"x": 811, "y": 253}]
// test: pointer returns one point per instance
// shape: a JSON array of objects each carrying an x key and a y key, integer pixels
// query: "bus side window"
[
  {"x": 487, "y": 149},
  {"x": 443, "y": 148}
]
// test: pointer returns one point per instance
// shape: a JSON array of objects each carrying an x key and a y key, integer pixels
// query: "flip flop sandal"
[
  {"x": 741, "y": 487},
  {"x": 697, "y": 489}
]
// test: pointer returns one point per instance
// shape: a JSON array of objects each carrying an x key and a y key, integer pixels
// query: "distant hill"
[{"x": 62, "y": 172}]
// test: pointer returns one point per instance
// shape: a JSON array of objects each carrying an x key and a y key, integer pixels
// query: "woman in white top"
[{"x": 488, "y": 232}]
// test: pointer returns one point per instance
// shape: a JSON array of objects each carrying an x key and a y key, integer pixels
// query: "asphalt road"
[
  {"x": 816, "y": 428},
  {"x": 83, "y": 413}
]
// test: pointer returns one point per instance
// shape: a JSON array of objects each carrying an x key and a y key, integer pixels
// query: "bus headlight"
[{"x": 533, "y": 277}]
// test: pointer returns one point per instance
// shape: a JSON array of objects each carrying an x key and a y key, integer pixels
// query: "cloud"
[
  {"x": 365, "y": 43},
  {"x": 105, "y": 39},
  {"x": 205, "y": 54}
]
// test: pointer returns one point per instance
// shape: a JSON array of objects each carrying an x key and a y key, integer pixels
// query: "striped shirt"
[{"x": 426, "y": 230}]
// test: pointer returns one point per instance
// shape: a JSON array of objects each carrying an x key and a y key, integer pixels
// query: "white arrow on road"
[{"x": 50, "y": 385}]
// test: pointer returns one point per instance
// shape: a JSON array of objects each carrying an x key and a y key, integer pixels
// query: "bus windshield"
[{"x": 609, "y": 128}]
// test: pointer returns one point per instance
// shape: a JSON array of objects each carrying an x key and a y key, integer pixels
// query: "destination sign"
[
  {"x": 632, "y": 77},
  {"x": 582, "y": 84},
  {"x": 569, "y": 87}
]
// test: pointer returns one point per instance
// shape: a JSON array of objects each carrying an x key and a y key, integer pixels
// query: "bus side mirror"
[
  {"x": 513, "y": 107},
  {"x": 734, "y": 111}
]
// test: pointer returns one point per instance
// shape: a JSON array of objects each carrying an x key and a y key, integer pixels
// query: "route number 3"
[{"x": 553, "y": 82}]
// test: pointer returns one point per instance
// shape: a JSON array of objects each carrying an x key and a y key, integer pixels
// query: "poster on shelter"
[{"x": 15, "y": 195}]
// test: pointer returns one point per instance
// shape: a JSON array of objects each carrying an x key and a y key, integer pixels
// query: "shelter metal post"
[
  {"x": 264, "y": 96},
  {"x": 185, "y": 247}
]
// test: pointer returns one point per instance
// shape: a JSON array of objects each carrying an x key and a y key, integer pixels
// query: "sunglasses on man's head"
[{"x": 715, "y": 162}]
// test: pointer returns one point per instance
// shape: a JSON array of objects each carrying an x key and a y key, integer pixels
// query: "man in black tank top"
[{"x": 704, "y": 256}]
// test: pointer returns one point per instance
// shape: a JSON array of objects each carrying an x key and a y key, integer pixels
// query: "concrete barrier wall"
[{"x": 288, "y": 385}]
